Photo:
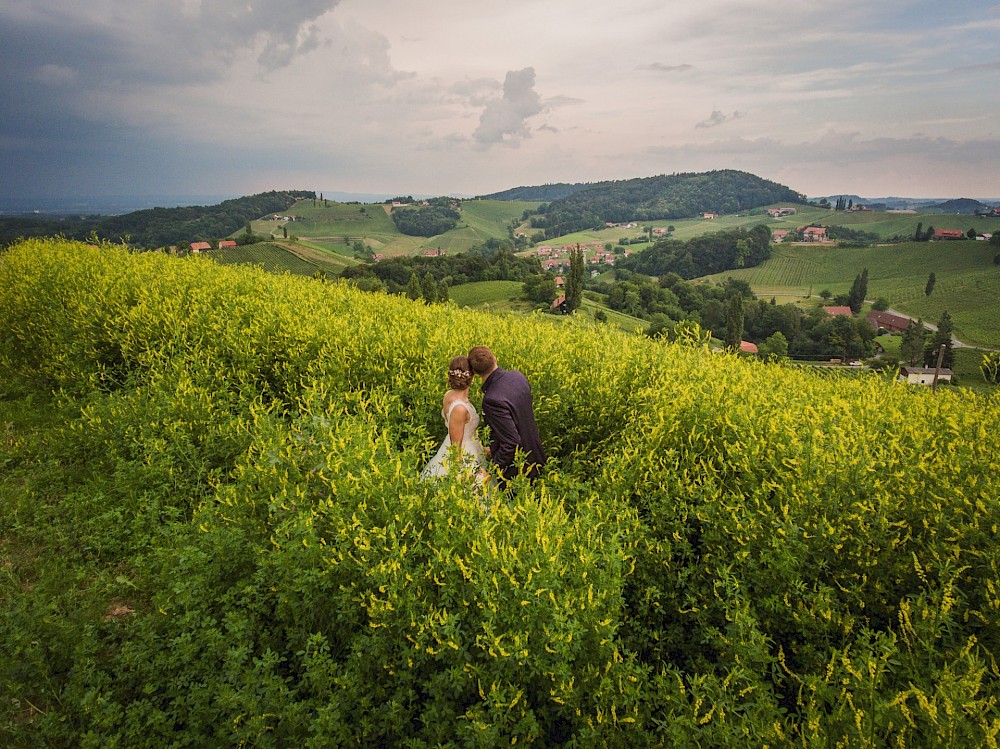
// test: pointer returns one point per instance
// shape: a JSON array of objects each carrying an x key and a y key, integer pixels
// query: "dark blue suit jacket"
[{"x": 508, "y": 411}]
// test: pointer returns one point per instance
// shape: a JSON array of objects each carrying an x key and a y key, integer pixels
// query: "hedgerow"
[{"x": 216, "y": 536}]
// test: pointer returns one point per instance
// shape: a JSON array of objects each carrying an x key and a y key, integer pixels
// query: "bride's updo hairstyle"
[{"x": 459, "y": 373}]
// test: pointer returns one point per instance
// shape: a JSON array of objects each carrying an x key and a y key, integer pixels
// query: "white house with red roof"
[{"x": 814, "y": 233}]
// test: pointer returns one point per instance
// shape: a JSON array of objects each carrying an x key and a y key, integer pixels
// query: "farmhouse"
[
  {"x": 559, "y": 304},
  {"x": 778, "y": 235},
  {"x": 778, "y": 212},
  {"x": 709, "y": 215},
  {"x": 200, "y": 247},
  {"x": 814, "y": 233},
  {"x": 948, "y": 234},
  {"x": 923, "y": 375},
  {"x": 434, "y": 253},
  {"x": 560, "y": 282},
  {"x": 838, "y": 311},
  {"x": 227, "y": 243},
  {"x": 887, "y": 321},
  {"x": 746, "y": 347}
]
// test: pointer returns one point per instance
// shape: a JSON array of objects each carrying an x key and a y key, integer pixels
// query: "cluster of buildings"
[
  {"x": 199, "y": 247},
  {"x": 808, "y": 234},
  {"x": 891, "y": 323},
  {"x": 557, "y": 258}
]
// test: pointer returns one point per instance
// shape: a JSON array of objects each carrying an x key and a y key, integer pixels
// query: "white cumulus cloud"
[{"x": 505, "y": 120}]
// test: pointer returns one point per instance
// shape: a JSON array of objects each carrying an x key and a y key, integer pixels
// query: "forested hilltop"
[
  {"x": 672, "y": 196},
  {"x": 555, "y": 191},
  {"x": 157, "y": 227}
]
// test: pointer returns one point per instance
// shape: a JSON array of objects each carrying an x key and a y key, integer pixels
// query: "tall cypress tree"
[
  {"x": 911, "y": 349},
  {"x": 859, "y": 290},
  {"x": 413, "y": 290},
  {"x": 429, "y": 288},
  {"x": 574, "y": 280},
  {"x": 941, "y": 337},
  {"x": 734, "y": 322}
]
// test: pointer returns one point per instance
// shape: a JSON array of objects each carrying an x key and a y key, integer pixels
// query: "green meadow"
[
  {"x": 497, "y": 294},
  {"x": 967, "y": 282},
  {"x": 883, "y": 224},
  {"x": 288, "y": 257}
]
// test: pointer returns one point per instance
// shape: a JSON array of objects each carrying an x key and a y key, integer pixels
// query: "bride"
[{"x": 462, "y": 420}]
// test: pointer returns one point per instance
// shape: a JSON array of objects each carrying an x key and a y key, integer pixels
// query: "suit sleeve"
[{"x": 504, "y": 436}]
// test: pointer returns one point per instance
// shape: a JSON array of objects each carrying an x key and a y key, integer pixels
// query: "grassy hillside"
[
  {"x": 967, "y": 281},
  {"x": 283, "y": 257},
  {"x": 499, "y": 295},
  {"x": 883, "y": 224},
  {"x": 328, "y": 225},
  {"x": 215, "y": 534}
]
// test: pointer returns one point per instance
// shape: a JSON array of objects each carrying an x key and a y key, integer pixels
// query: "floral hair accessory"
[{"x": 459, "y": 372}]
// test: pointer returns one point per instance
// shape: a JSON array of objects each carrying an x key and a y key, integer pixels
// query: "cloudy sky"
[{"x": 232, "y": 97}]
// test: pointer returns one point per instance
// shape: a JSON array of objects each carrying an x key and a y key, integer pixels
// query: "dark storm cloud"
[{"x": 70, "y": 66}]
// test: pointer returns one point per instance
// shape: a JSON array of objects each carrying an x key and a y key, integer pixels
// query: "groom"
[{"x": 508, "y": 411}]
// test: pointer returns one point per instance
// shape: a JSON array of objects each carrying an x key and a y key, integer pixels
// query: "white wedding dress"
[{"x": 473, "y": 455}]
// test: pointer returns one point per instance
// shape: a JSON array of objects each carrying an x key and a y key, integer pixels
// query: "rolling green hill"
[
  {"x": 885, "y": 225},
  {"x": 967, "y": 280},
  {"x": 329, "y": 224},
  {"x": 281, "y": 257}
]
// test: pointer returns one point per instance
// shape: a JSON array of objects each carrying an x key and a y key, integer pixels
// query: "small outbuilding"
[{"x": 924, "y": 375}]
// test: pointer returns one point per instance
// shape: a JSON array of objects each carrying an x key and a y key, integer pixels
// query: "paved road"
[{"x": 955, "y": 343}]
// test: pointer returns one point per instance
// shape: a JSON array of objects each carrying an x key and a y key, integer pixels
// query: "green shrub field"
[
  {"x": 213, "y": 532},
  {"x": 493, "y": 293}
]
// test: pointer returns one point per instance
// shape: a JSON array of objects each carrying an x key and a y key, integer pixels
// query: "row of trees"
[
  {"x": 922, "y": 346},
  {"x": 428, "y": 221},
  {"x": 701, "y": 256},
  {"x": 492, "y": 261}
]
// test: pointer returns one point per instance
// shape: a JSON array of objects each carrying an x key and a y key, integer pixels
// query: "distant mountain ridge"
[
  {"x": 966, "y": 206},
  {"x": 157, "y": 227}
]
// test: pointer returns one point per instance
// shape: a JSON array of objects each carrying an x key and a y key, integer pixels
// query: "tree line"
[
  {"x": 492, "y": 261},
  {"x": 159, "y": 227},
  {"x": 704, "y": 255},
  {"x": 435, "y": 218}
]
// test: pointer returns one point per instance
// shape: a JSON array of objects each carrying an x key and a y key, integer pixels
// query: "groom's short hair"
[{"x": 481, "y": 359}]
